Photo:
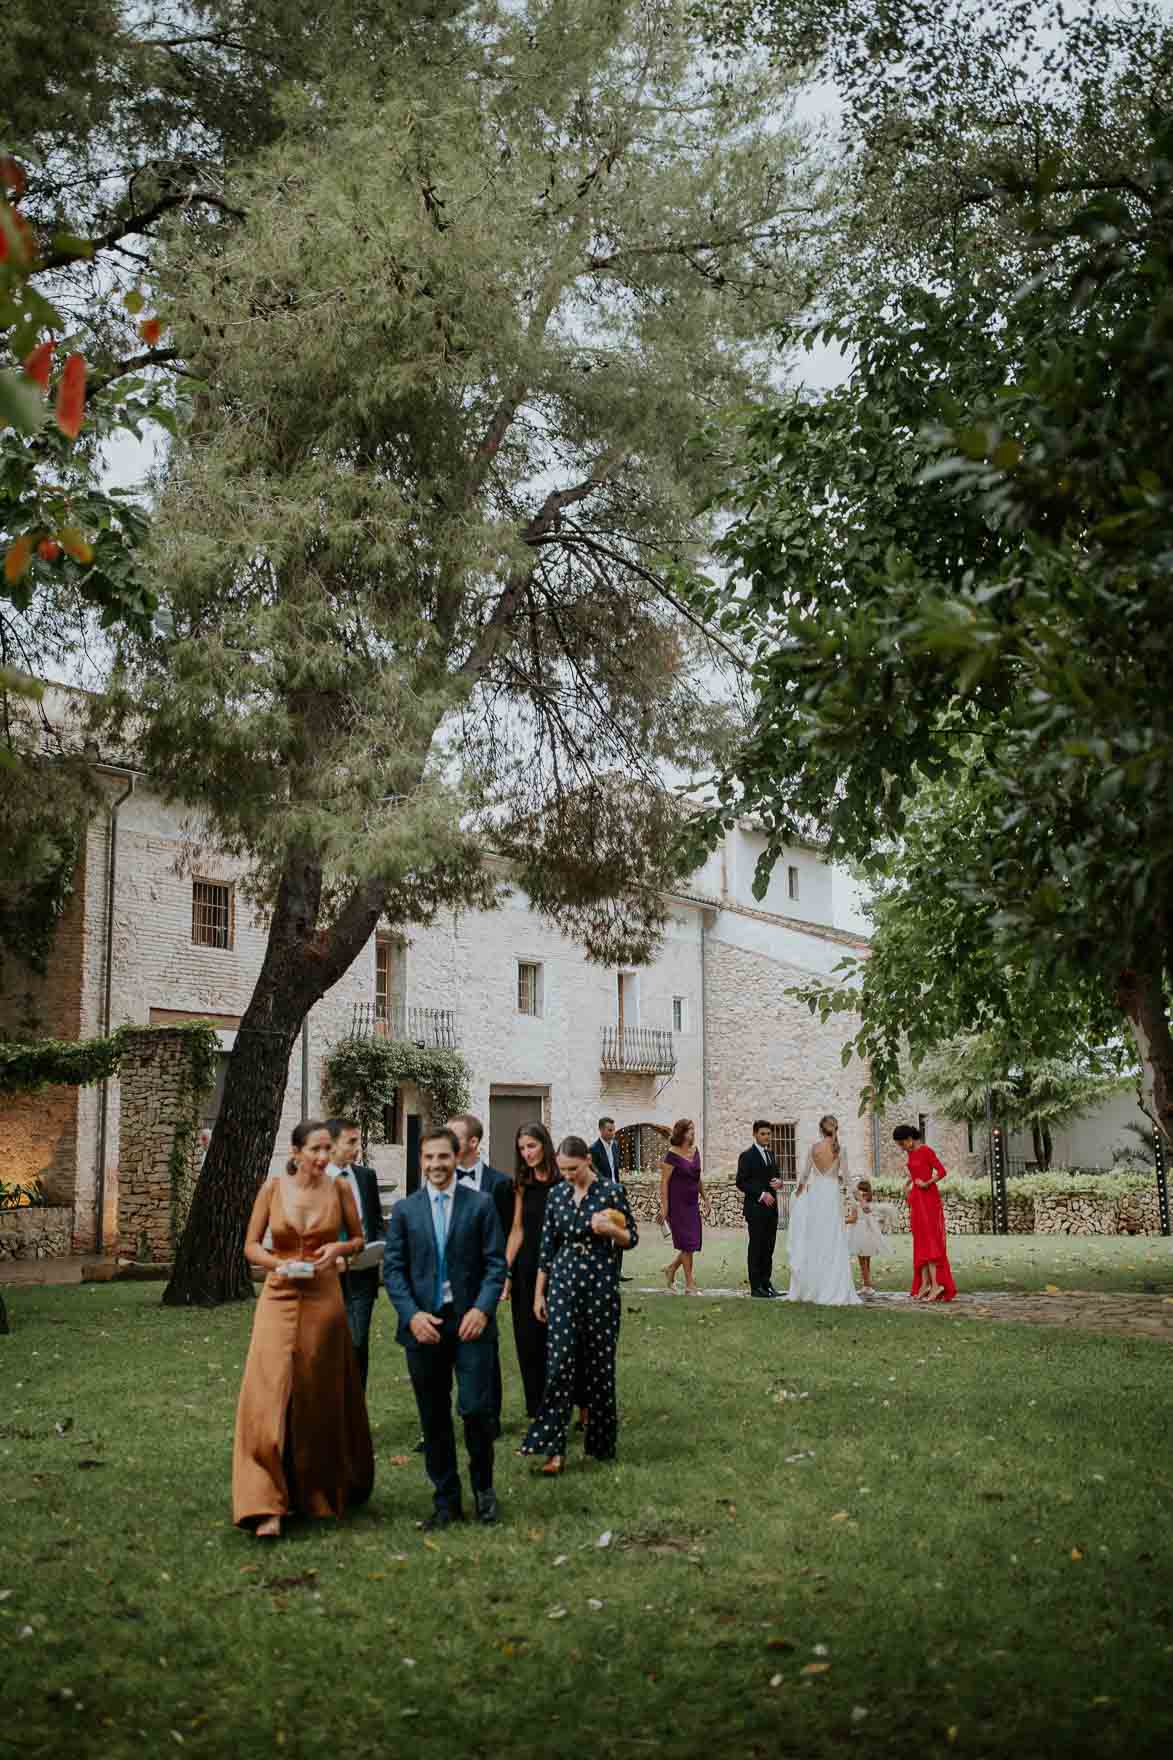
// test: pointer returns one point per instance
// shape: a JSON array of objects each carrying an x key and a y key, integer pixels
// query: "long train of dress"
[{"x": 820, "y": 1263}]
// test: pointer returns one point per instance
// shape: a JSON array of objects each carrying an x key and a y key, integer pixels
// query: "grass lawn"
[
  {"x": 1136, "y": 1265},
  {"x": 957, "y": 1543}
]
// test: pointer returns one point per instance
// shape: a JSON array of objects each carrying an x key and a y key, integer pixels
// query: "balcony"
[
  {"x": 438, "y": 1028},
  {"x": 637, "y": 1051}
]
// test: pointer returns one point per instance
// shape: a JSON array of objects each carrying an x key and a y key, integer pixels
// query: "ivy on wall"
[
  {"x": 28, "y": 1065},
  {"x": 361, "y": 1076}
]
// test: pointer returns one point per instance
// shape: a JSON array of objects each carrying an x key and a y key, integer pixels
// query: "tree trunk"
[
  {"x": 1036, "y": 1133},
  {"x": 1141, "y": 996},
  {"x": 1048, "y": 1146},
  {"x": 4, "y": 1327},
  {"x": 300, "y": 965}
]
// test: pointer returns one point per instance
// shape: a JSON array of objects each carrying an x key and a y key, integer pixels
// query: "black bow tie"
[{"x": 472, "y": 1175}]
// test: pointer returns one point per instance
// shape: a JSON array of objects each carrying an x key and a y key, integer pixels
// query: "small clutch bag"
[{"x": 297, "y": 1268}]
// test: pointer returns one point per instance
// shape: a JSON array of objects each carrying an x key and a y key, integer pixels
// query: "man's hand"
[
  {"x": 425, "y": 1328},
  {"x": 776, "y": 1184},
  {"x": 472, "y": 1325},
  {"x": 768, "y": 1199}
]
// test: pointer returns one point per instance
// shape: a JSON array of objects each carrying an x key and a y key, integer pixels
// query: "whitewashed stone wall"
[{"x": 770, "y": 1058}]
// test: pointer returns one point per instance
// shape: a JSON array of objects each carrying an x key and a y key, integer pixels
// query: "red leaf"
[
  {"x": 150, "y": 330},
  {"x": 20, "y": 554},
  {"x": 38, "y": 364},
  {"x": 48, "y": 550},
  {"x": 71, "y": 397},
  {"x": 12, "y": 176},
  {"x": 17, "y": 238}
]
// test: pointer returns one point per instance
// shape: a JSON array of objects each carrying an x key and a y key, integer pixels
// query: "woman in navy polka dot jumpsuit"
[{"x": 578, "y": 1293}]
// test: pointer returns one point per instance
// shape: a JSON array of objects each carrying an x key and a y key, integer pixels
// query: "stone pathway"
[{"x": 1124, "y": 1315}]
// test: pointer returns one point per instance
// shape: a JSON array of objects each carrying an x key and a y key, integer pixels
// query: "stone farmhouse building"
[{"x": 158, "y": 933}]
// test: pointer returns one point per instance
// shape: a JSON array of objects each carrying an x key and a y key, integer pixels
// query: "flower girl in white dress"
[
  {"x": 865, "y": 1235},
  {"x": 820, "y": 1262}
]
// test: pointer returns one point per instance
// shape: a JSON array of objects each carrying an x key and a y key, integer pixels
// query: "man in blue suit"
[{"x": 444, "y": 1268}]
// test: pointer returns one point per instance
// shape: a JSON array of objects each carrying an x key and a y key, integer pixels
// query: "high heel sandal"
[{"x": 552, "y": 1467}]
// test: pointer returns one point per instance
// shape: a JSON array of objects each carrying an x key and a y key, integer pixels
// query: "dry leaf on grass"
[{"x": 815, "y": 1668}]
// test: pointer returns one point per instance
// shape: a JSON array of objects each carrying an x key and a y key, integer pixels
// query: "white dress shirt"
[
  {"x": 472, "y": 1175},
  {"x": 347, "y": 1173},
  {"x": 609, "y": 1148},
  {"x": 765, "y": 1155}
]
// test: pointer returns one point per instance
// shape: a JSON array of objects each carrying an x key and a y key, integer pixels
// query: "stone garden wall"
[
  {"x": 159, "y": 1148},
  {"x": 36, "y": 1231},
  {"x": 1077, "y": 1212}
]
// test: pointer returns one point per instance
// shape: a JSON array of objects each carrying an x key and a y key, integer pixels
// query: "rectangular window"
[
  {"x": 792, "y": 882},
  {"x": 784, "y": 1143},
  {"x": 211, "y": 913},
  {"x": 390, "y": 978},
  {"x": 679, "y": 1015},
  {"x": 529, "y": 987}
]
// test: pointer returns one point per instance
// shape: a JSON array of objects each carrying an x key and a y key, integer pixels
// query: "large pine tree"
[{"x": 421, "y": 547}]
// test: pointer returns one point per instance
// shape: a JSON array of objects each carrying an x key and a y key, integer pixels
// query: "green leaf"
[{"x": 22, "y": 404}]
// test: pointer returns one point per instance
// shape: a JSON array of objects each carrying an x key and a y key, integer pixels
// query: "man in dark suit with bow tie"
[
  {"x": 444, "y": 1268},
  {"x": 473, "y": 1170},
  {"x": 360, "y": 1289},
  {"x": 759, "y": 1183},
  {"x": 605, "y": 1155}
]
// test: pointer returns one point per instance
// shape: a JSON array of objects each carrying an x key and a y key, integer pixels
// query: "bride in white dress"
[{"x": 820, "y": 1262}]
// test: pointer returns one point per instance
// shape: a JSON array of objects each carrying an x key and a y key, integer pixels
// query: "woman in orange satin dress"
[
  {"x": 303, "y": 1442},
  {"x": 932, "y": 1275}
]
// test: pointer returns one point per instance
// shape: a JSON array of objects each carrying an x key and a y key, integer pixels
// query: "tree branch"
[
  {"x": 138, "y": 223},
  {"x": 153, "y": 357}
]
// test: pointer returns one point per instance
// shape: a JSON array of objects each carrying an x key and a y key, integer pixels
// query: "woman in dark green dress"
[{"x": 578, "y": 1296}]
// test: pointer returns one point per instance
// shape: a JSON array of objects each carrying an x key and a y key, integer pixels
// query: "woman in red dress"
[{"x": 932, "y": 1279}]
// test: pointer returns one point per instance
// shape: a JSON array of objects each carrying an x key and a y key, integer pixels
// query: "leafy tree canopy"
[{"x": 958, "y": 565}]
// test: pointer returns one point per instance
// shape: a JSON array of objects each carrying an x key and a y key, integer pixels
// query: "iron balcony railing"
[
  {"x": 437, "y": 1027},
  {"x": 644, "y": 1051}
]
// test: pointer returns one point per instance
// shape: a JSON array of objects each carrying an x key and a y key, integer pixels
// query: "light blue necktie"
[{"x": 440, "y": 1230}]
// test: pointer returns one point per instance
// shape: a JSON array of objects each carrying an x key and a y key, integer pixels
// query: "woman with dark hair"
[
  {"x": 303, "y": 1442},
  {"x": 932, "y": 1275},
  {"x": 578, "y": 1296},
  {"x": 682, "y": 1197},
  {"x": 535, "y": 1175}
]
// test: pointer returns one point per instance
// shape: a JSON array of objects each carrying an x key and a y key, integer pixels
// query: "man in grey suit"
[{"x": 444, "y": 1269}]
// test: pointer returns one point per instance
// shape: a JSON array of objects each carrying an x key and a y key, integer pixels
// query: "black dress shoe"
[
  {"x": 776, "y": 1293},
  {"x": 487, "y": 1510},
  {"x": 419, "y": 1447},
  {"x": 442, "y": 1516},
  {"x": 762, "y": 1295}
]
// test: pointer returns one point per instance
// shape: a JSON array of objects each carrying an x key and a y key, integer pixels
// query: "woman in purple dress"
[{"x": 682, "y": 1197}]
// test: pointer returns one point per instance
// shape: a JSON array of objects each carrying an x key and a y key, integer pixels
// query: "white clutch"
[{"x": 297, "y": 1268}]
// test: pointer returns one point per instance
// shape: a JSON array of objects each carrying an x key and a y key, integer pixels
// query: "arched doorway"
[{"x": 641, "y": 1148}]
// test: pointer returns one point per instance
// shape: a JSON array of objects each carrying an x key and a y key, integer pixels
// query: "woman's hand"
[
  {"x": 330, "y": 1254},
  {"x": 601, "y": 1223},
  {"x": 540, "y": 1313}
]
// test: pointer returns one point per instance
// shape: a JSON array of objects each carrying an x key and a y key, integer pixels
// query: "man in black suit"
[
  {"x": 759, "y": 1183},
  {"x": 605, "y": 1155},
  {"x": 360, "y": 1289},
  {"x": 444, "y": 1268},
  {"x": 473, "y": 1170}
]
